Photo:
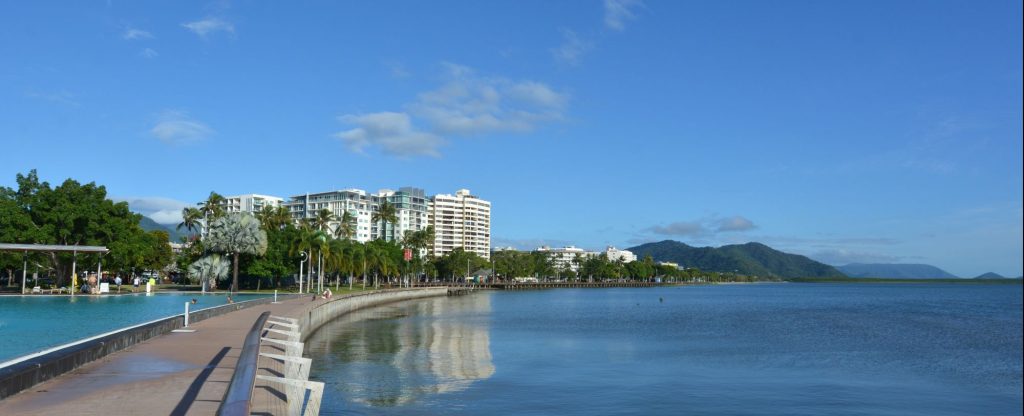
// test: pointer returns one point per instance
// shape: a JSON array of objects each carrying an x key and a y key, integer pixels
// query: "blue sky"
[{"x": 859, "y": 131}]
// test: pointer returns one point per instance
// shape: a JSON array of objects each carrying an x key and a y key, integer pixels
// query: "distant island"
[
  {"x": 990, "y": 275},
  {"x": 895, "y": 271}
]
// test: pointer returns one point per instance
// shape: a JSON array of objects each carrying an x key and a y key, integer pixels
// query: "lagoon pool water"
[
  {"x": 34, "y": 323},
  {"x": 795, "y": 349}
]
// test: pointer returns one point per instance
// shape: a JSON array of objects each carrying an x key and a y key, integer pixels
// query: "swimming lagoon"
[{"x": 33, "y": 323}]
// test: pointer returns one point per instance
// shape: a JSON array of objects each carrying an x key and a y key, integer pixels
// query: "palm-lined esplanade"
[
  {"x": 346, "y": 237},
  {"x": 343, "y": 236},
  {"x": 339, "y": 236}
]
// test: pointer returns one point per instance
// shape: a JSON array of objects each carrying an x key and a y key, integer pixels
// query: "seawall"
[{"x": 318, "y": 314}]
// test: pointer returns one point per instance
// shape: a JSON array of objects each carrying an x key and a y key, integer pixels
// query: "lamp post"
[{"x": 302, "y": 259}]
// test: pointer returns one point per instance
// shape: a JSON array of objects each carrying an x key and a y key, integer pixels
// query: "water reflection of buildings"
[{"x": 413, "y": 350}]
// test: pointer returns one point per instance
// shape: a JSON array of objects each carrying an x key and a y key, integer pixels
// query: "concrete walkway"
[{"x": 173, "y": 374}]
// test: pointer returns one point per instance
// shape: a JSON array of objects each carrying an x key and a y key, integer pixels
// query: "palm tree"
[
  {"x": 208, "y": 270},
  {"x": 347, "y": 226},
  {"x": 322, "y": 220},
  {"x": 274, "y": 218},
  {"x": 237, "y": 233},
  {"x": 386, "y": 213},
  {"x": 213, "y": 207},
  {"x": 266, "y": 217},
  {"x": 191, "y": 219},
  {"x": 356, "y": 255}
]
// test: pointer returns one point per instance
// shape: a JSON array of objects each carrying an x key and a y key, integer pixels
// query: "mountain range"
[
  {"x": 172, "y": 232},
  {"x": 754, "y": 259},
  {"x": 895, "y": 271}
]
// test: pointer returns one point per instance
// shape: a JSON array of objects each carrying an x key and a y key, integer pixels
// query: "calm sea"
[{"x": 796, "y": 349}]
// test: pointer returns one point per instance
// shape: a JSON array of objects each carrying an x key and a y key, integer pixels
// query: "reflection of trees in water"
[{"x": 393, "y": 355}]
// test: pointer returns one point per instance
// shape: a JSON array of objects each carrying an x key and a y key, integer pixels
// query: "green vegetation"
[
  {"x": 75, "y": 214},
  {"x": 541, "y": 265},
  {"x": 751, "y": 259}
]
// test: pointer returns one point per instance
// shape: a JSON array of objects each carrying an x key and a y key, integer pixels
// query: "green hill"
[
  {"x": 149, "y": 225},
  {"x": 753, "y": 259}
]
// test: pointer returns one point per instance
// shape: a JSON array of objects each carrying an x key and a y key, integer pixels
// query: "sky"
[{"x": 857, "y": 131}]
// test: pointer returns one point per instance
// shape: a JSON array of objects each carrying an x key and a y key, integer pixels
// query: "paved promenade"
[{"x": 173, "y": 374}]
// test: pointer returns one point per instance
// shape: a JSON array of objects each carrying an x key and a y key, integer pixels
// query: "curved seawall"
[{"x": 319, "y": 314}]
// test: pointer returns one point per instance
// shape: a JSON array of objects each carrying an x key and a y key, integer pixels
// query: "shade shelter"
[{"x": 52, "y": 248}]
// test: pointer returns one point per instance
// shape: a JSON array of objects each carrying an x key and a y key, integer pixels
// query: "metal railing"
[{"x": 239, "y": 395}]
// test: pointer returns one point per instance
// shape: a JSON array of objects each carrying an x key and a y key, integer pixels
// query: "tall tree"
[
  {"x": 346, "y": 227},
  {"x": 73, "y": 214},
  {"x": 386, "y": 214},
  {"x": 191, "y": 219},
  {"x": 235, "y": 234},
  {"x": 323, "y": 219},
  {"x": 274, "y": 218}
]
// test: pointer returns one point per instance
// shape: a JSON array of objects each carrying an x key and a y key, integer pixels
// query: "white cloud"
[
  {"x": 136, "y": 34},
  {"x": 177, "y": 127},
  {"x": 680, "y": 228},
  {"x": 704, "y": 227},
  {"x": 735, "y": 223},
  {"x": 466, "y": 104},
  {"x": 470, "y": 104},
  {"x": 148, "y": 53},
  {"x": 392, "y": 132},
  {"x": 208, "y": 26},
  {"x": 160, "y": 209},
  {"x": 571, "y": 49},
  {"x": 617, "y": 12}
]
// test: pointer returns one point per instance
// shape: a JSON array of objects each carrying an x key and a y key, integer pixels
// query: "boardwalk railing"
[
  {"x": 301, "y": 396},
  {"x": 237, "y": 398}
]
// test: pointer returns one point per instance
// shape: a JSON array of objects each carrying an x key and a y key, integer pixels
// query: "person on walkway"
[
  {"x": 117, "y": 281},
  {"x": 135, "y": 283}
]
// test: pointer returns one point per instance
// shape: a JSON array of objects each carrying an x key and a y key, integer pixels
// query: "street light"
[{"x": 302, "y": 259}]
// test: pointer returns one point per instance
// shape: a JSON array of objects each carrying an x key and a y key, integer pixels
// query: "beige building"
[{"x": 460, "y": 221}]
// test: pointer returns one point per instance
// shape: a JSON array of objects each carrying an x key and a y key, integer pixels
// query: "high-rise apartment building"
[
  {"x": 356, "y": 201},
  {"x": 251, "y": 203},
  {"x": 410, "y": 210},
  {"x": 460, "y": 221}
]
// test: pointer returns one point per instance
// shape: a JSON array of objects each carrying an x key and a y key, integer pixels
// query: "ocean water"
[
  {"x": 795, "y": 349},
  {"x": 33, "y": 323}
]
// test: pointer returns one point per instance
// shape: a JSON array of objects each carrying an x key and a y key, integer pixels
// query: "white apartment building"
[
  {"x": 566, "y": 257},
  {"x": 614, "y": 254},
  {"x": 410, "y": 208},
  {"x": 251, "y": 203},
  {"x": 460, "y": 221}
]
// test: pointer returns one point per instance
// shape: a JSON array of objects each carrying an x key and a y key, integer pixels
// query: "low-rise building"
[
  {"x": 615, "y": 254},
  {"x": 569, "y": 257}
]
